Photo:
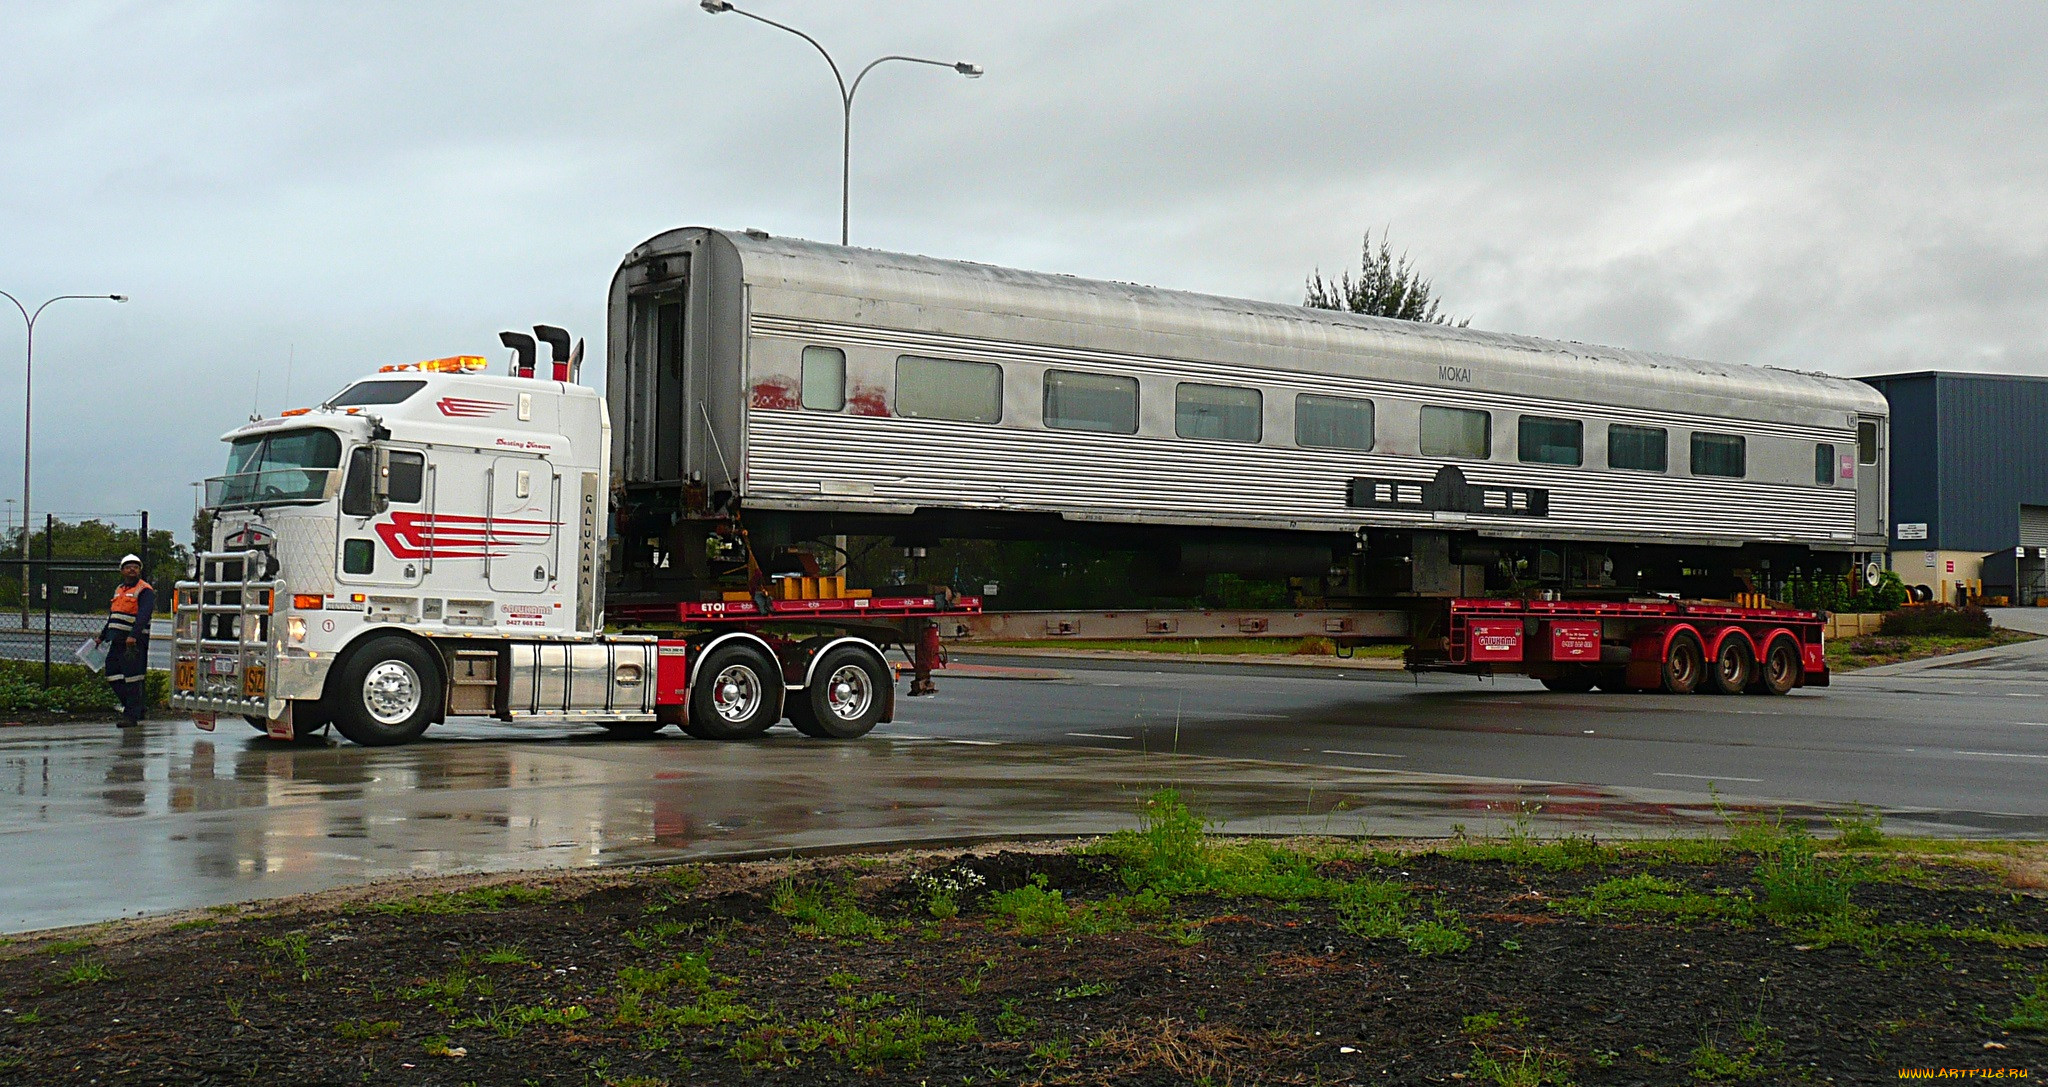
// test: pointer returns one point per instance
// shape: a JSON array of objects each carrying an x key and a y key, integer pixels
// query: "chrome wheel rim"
[
  {"x": 391, "y": 692},
  {"x": 736, "y": 693},
  {"x": 849, "y": 692}
]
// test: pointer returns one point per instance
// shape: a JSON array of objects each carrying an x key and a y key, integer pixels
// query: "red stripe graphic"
[
  {"x": 460, "y": 408},
  {"x": 444, "y": 536}
]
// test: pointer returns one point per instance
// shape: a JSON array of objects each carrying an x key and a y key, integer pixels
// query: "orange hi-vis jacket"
[{"x": 131, "y": 606}]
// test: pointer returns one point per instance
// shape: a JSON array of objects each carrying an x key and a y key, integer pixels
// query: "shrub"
[{"x": 1940, "y": 619}]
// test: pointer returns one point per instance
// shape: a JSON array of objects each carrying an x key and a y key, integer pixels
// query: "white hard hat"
[{"x": 136, "y": 559}]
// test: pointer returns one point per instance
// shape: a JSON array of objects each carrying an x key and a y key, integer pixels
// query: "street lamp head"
[
  {"x": 118, "y": 297},
  {"x": 971, "y": 71},
  {"x": 715, "y": 7}
]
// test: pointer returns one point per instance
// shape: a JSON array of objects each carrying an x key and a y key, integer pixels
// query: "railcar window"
[
  {"x": 1456, "y": 432},
  {"x": 1217, "y": 411},
  {"x": 1550, "y": 441},
  {"x": 1824, "y": 464},
  {"x": 824, "y": 378},
  {"x": 1638, "y": 448},
  {"x": 1100, "y": 402},
  {"x": 1333, "y": 422},
  {"x": 1866, "y": 443},
  {"x": 971, "y": 392},
  {"x": 1718, "y": 455}
]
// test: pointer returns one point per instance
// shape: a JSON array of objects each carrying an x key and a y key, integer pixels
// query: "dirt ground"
[{"x": 1159, "y": 956}]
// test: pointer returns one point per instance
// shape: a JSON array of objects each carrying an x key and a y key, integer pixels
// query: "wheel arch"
[
  {"x": 745, "y": 637},
  {"x": 858, "y": 642},
  {"x": 347, "y": 653},
  {"x": 1721, "y": 637}
]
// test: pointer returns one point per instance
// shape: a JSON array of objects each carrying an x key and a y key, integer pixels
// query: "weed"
[
  {"x": 440, "y": 1045},
  {"x": 1528, "y": 1068},
  {"x": 1011, "y": 1023},
  {"x": 441, "y": 994},
  {"x": 511, "y": 1021},
  {"x": 943, "y": 890},
  {"x": 2030, "y": 1012},
  {"x": 1084, "y": 991},
  {"x": 234, "y": 1008},
  {"x": 1057, "y": 1051},
  {"x": 1567, "y": 854},
  {"x": 655, "y": 934},
  {"x": 826, "y": 913},
  {"x": 1797, "y": 884},
  {"x": 1376, "y": 909},
  {"x": 866, "y": 1046},
  {"x": 1861, "y": 829},
  {"x": 1650, "y": 896},
  {"x": 87, "y": 973},
  {"x": 970, "y": 983},
  {"x": 1482, "y": 1023},
  {"x": 1035, "y": 909},
  {"x": 842, "y": 980},
  {"x": 363, "y": 1030},
  {"x": 67, "y": 947},
  {"x": 507, "y": 955},
  {"x": 683, "y": 877},
  {"x": 1710, "y": 1064},
  {"x": 289, "y": 951},
  {"x": 29, "y": 1018},
  {"x": 1510, "y": 944},
  {"x": 474, "y": 900},
  {"x": 642, "y": 997}
]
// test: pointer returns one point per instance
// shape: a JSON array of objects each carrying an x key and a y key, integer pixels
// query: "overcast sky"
[{"x": 1859, "y": 188}]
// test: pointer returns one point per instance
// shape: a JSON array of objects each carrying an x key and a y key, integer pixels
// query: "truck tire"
[
  {"x": 844, "y": 699},
  {"x": 386, "y": 693},
  {"x": 737, "y": 695},
  {"x": 1734, "y": 666},
  {"x": 1684, "y": 664},
  {"x": 1782, "y": 668}
]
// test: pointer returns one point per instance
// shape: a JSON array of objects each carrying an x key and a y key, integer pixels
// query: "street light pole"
[
  {"x": 28, "y": 408},
  {"x": 846, "y": 93}
]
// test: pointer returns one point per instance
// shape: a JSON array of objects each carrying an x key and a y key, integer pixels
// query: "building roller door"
[{"x": 2034, "y": 526}]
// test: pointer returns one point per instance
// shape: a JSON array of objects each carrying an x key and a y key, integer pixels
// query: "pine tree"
[{"x": 1386, "y": 286}]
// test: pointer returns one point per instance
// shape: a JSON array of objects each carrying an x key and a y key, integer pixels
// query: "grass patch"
[
  {"x": 2030, "y": 1011},
  {"x": 1036, "y": 910},
  {"x": 67, "y": 947},
  {"x": 364, "y": 1030},
  {"x": 513, "y": 1020},
  {"x": 1648, "y": 896},
  {"x": 289, "y": 953},
  {"x": 1522, "y": 1068},
  {"x": 474, "y": 900},
  {"x": 443, "y": 993},
  {"x": 508, "y": 955},
  {"x": 684, "y": 994},
  {"x": 1377, "y": 909},
  {"x": 1849, "y": 654},
  {"x": 869, "y": 1046},
  {"x": 1567, "y": 854},
  {"x": 829, "y": 913},
  {"x": 87, "y": 973}
]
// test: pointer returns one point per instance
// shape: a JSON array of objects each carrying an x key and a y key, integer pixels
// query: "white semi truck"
[{"x": 431, "y": 542}]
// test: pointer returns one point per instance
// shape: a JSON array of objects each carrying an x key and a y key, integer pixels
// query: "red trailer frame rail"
[
  {"x": 763, "y": 609},
  {"x": 1676, "y": 646}
]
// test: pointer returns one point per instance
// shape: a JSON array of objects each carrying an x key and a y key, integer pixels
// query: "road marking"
[
  {"x": 1708, "y": 777},
  {"x": 2020, "y": 694},
  {"x": 1365, "y": 754},
  {"x": 977, "y": 743},
  {"x": 2003, "y": 754},
  {"x": 1100, "y": 736}
]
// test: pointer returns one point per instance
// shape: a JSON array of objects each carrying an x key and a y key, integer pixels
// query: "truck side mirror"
[{"x": 359, "y": 486}]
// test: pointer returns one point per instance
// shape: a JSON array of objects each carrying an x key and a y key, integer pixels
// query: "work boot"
[{"x": 126, "y": 722}]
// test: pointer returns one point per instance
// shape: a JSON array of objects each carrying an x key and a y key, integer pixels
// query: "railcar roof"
[{"x": 767, "y": 258}]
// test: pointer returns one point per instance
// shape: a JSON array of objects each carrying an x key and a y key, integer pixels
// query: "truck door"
[
  {"x": 525, "y": 524},
  {"x": 1870, "y": 473},
  {"x": 391, "y": 548}
]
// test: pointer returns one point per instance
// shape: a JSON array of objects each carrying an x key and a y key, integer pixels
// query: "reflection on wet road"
[{"x": 96, "y": 823}]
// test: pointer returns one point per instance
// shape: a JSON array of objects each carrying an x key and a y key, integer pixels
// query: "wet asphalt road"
[{"x": 96, "y": 824}]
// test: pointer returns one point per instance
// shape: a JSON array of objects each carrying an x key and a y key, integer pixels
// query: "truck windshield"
[{"x": 285, "y": 466}]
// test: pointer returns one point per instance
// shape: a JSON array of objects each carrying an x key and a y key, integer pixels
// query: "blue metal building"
[{"x": 1969, "y": 475}]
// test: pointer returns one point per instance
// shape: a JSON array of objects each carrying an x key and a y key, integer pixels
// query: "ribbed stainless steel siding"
[{"x": 922, "y": 462}]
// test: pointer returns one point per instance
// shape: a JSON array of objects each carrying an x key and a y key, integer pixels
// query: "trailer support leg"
[{"x": 927, "y": 657}]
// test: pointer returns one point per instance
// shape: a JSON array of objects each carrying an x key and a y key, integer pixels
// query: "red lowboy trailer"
[{"x": 1672, "y": 646}]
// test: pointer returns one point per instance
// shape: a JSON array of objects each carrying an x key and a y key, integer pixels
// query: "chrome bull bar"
[{"x": 225, "y": 642}]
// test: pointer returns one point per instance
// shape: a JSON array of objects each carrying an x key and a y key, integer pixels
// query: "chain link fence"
[{"x": 56, "y": 597}]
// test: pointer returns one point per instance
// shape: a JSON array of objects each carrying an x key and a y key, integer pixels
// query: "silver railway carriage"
[{"x": 825, "y": 389}]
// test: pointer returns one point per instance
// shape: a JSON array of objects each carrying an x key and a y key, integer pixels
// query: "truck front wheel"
[
  {"x": 845, "y": 697},
  {"x": 387, "y": 692},
  {"x": 737, "y": 696}
]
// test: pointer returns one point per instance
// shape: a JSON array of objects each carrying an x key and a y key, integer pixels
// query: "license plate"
[
  {"x": 252, "y": 681},
  {"x": 206, "y": 721},
  {"x": 221, "y": 666},
  {"x": 187, "y": 674}
]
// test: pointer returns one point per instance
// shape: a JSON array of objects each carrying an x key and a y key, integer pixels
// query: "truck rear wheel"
[
  {"x": 1684, "y": 664},
  {"x": 737, "y": 696},
  {"x": 1734, "y": 666},
  {"x": 844, "y": 699},
  {"x": 387, "y": 692},
  {"x": 1781, "y": 670}
]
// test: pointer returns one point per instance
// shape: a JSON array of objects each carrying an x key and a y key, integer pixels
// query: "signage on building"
[{"x": 1916, "y": 530}]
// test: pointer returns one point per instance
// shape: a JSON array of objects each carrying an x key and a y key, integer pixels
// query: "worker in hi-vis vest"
[{"x": 126, "y": 637}]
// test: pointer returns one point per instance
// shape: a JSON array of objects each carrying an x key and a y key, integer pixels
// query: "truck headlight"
[{"x": 297, "y": 628}]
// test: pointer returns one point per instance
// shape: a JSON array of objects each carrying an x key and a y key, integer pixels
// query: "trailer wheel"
[
  {"x": 386, "y": 693},
  {"x": 1570, "y": 681},
  {"x": 844, "y": 699},
  {"x": 1782, "y": 668},
  {"x": 737, "y": 696},
  {"x": 1684, "y": 664},
  {"x": 1734, "y": 666}
]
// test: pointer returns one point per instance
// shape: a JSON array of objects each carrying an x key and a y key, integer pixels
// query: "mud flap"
[
  {"x": 280, "y": 728},
  {"x": 206, "y": 721}
]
